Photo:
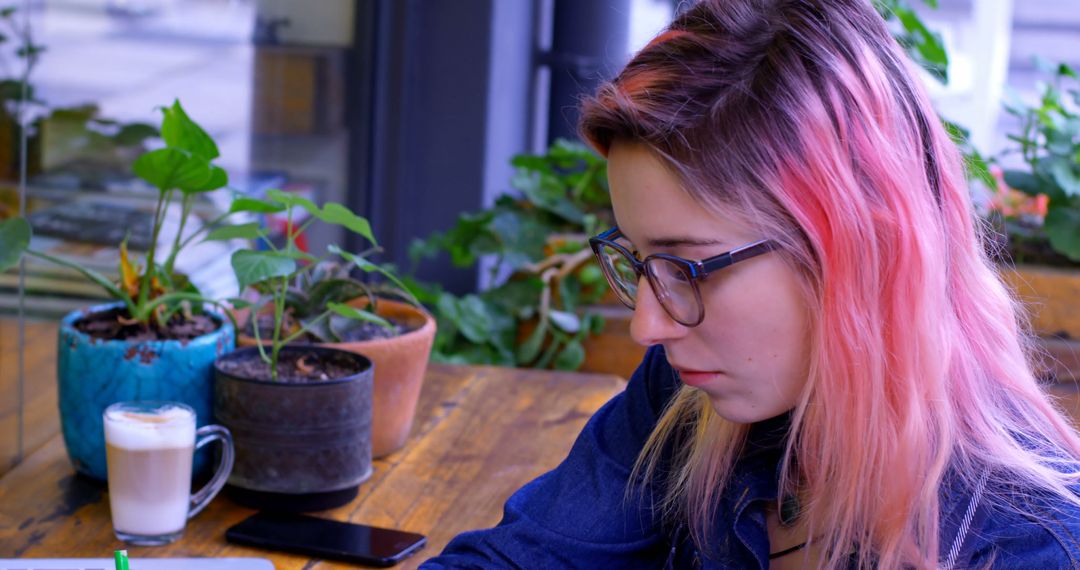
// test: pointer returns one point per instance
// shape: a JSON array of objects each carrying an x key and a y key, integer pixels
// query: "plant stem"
[
  {"x": 186, "y": 205},
  {"x": 205, "y": 228},
  {"x": 253, "y": 318},
  {"x": 148, "y": 275}
]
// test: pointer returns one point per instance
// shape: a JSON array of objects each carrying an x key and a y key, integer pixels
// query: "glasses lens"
[
  {"x": 675, "y": 290},
  {"x": 620, "y": 274}
]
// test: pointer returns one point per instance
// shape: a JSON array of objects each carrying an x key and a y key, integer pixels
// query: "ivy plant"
[
  {"x": 923, "y": 45},
  {"x": 1048, "y": 145},
  {"x": 543, "y": 271}
]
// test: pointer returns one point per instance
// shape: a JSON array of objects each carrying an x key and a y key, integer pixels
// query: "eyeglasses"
[{"x": 673, "y": 279}]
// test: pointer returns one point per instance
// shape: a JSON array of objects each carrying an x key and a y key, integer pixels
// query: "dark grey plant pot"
[{"x": 299, "y": 446}]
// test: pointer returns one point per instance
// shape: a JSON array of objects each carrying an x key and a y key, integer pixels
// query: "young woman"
[{"x": 837, "y": 378}]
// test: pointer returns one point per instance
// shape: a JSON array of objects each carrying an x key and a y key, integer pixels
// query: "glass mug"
[{"x": 149, "y": 451}]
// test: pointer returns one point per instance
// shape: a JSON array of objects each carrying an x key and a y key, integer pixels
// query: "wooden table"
[{"x": 480, "y": 433}]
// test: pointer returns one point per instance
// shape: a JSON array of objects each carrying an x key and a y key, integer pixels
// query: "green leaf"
[
  {"x": 976, "y": 168},
  {"x": 179, "y": 131},
  {"x": 469, "y": 314},
  {"x": 1025, "y": 182},
  {"x": 168, "y": 168},
  {"x": 253, "y": 267},
  {"x": 530, "y": 162},
  {"x": 333, "y": 213},
  {"x": 241, "y": 231},
  {"x": 958, "y": 133},
  {"x": 569, "y": 292},
  {"x": 591, "y": 274},
  {"x": 567, "y": 322},
  {"x": 521, "y": 234},
  {"x": 291, "y": 200},
  {"x": 357, "y": 314},
  {"x": 247, "y": 204},
  {"x": 518, "y": 297},
  {"x": 325, "y": 330},
  {"x": 596, "y": 324},
  {"x": 1062, "y": 226},
  {"x": 90, "y": 274},
  {"x": 334, "y": 291},
  {"x": 218, "y": 179},
  {"x": 1066, "y": 177},
  {"x": 369, "y": 267},
  {"x": 360, "y": 262},
  {"x": 929, "y": 49},
  {"x": 239, "y": 303},
  {"x": 571, "y": 356},
  {"x": 132, "y": 134},
  {"x": 530, "y": 349},
  {"x": 14, "y": 239}
]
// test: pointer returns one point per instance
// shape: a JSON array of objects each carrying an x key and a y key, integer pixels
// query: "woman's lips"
[{"x": 697, "y": 377}]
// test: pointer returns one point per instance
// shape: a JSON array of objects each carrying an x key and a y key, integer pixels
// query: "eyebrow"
[{"x": 678, "y": 241}]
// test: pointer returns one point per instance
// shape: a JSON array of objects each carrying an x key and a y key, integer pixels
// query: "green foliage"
[
  {"x": 152, "y": 291},
  {"x": 307, "y": 294},
  {"x": 922, "y": 45},
  {"x": 976, "y": 166},
  {"x": 14, "y": 239},
  {"x": 1049, "y": 145},
  {"x": 544, "y": 272}
]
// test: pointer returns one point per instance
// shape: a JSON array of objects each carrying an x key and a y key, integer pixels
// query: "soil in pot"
[
  {"x": 114, "y": 324},
  {"x": 296, "y": 367}
]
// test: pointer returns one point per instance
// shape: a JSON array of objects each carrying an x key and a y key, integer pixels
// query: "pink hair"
[{"x": 803, "y": 115}]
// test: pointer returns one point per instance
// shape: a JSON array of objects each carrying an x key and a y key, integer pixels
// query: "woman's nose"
[{"x": 651, "y": 324}]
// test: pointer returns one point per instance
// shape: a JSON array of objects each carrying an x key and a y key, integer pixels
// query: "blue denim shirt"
[{"x": 577, "y": 515}]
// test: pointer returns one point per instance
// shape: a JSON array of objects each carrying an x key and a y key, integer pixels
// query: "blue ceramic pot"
[{"x": 95, "y": 373}]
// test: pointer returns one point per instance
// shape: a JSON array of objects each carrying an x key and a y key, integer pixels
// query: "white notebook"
[{"x": 137, "y": 564}]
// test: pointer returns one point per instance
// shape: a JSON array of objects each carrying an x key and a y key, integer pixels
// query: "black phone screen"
[{"x": 326, "y": 538}]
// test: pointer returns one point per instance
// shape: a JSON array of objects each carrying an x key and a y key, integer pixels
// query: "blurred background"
[{"x": 407, "y": 111}]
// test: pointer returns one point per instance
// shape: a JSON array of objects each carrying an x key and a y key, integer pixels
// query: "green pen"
[{"x": 121, "y": 560}]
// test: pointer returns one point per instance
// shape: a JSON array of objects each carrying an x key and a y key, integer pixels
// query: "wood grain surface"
[
  {"x": 39, "y": 391},
  {"x": 481, "y": 432}
]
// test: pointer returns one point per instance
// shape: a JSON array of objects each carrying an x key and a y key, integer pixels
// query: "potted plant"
[
  {"x": 1037, "y": 205},
  {"x": 399, "y": 344},
  {"x": 303, "y": 406},
  {"x": 537, "y": 311},
  {"x": 156, "y": 342},
  {"x": 1034, "y": 205}
]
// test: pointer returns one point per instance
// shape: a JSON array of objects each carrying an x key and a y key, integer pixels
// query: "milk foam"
[{"x": 169, "y": 428}]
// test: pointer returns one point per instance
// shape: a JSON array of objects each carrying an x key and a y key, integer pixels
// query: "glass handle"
[{"x": 205, "y": 435}]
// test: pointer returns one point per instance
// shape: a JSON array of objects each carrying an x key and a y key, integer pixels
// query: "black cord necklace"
[
  {"x": 786, "y": 551},
  {"x": 789, "y": 513}
]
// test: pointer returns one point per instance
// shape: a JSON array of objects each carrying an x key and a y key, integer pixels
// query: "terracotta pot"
[
  {"x": 1051, "y": 295},
  {"x": 400, "y": 365}
]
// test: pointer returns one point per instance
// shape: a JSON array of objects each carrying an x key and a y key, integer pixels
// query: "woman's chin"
[{"x": 741, "y": 411}]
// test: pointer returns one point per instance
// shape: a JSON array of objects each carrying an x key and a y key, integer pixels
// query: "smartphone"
[{"x": 326, "y": 538}]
